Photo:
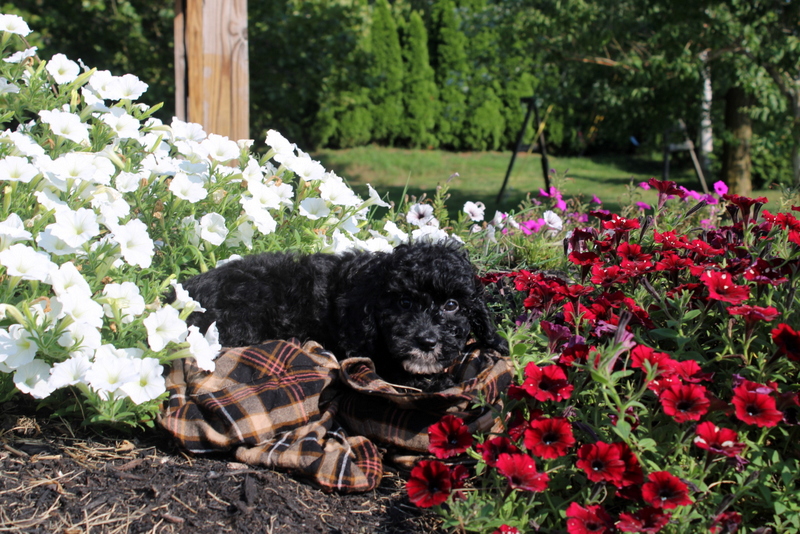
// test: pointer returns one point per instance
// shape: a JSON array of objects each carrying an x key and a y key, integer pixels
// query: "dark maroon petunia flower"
[
  {"x": 744, "y": 204},
  {"x": 717, "y": 440},
  {"x": 601, "y": 462},
  {"x": 722, "y": 287},
  {"x": 449, "y": 437},
  {"x": 684, "y": 402},
  {"x": 548, "y": 383},
  {"x": 520, "y": 470},
  {"x": 549, "y": 438},
  {"x": 491, "y": 449},
  {"x": 755, "y": 408},
  {"x": 787, "y": 340},
  {"x": 633, "y": 475},
  {"x": 429, "y": 483},
  {"x": 726, "y": 523},
  {"x": 592, "y": 519},
  {"x": 766, "y": 272},
  {"x": 665, "y": 490},
  {"x": 648, "y": 519}
]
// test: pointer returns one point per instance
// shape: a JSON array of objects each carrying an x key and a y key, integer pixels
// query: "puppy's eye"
[
  {"x": 405, "y": 303},
  {"x": 450, "y": 306}
]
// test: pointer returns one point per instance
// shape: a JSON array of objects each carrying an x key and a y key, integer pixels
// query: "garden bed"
[{"x": 56, "y": 478}]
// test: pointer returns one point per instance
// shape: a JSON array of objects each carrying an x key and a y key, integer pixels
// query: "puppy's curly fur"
[{"x": 410, "y": 311}]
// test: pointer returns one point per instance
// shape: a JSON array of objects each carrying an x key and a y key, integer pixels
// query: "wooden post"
[{"x": 211, "y": 66}]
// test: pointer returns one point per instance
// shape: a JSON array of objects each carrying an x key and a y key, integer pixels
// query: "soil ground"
[{"x": 55, "y": 478}]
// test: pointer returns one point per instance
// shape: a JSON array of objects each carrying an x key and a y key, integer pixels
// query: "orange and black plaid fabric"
[{"x": 295, "y": 407}]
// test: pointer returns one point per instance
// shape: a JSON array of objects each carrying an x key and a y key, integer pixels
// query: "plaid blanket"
[{"x": 295, "y": 407}]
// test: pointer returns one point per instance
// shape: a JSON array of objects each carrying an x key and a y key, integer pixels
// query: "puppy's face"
[{"x": 425, "y": 331}]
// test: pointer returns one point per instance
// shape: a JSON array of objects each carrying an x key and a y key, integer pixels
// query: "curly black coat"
[{"x": 411, "y": 311}]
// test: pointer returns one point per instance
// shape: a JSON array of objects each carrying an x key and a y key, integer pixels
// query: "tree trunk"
[
  {"x": 736, "y": 164},
  {"x": 706, "y": 141}
]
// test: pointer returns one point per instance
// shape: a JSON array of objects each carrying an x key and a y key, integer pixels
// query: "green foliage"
[
  {"x": 345, "y": 119},
  {"x": 420, "y": 94},
  {"x": 386, "y": 74},
  {"x": 484, "y": 126},
  {"x": 449, "y": 60}
]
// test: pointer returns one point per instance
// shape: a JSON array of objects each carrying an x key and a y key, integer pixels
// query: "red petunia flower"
[
  {"x": 491, "y": 449},
  {"x": 633, "y": 475},
  {"x": 672, "y": 262},
  {"x": 648, "y": 519},
  {"x": 745, "y": 204},
  {"x": 632, "y": 252},
  {"x": 592, "y": 519},
  {"x": 787, "y": 340},
  {"x": 721, "y": 287},
  {"x": 621, "y": 224},
  {"x": 546, "y": 383},
  {"x": 755, "y": 408},
  {"x": 753, "y": 314},
  {"x": 601, "y": 462},
  {"x": 608, "y": 276},
  {"x": 726, "y": 522},
  {"x": 690, "y": 371},
  {"x": 670, "y": 240},
  {"x": 520, "y": 470},
  {"x": 549, "y": 438},
  {"x": 505, "y": 529},
  {"x": 449, "y": 437},
  {"x": 665, "y": 490},
  {"x": 429, "y": 483},
  {"x": 666, "y": 187},
  {"x": 684, "y": 402},
  {"x": 718, "y": 440}
]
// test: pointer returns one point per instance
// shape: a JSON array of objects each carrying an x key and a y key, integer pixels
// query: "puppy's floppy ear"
[{"x": 480, "y": 319}]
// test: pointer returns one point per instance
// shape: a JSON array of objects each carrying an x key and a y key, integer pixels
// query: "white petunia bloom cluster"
[{"x": 106, "y": 206}]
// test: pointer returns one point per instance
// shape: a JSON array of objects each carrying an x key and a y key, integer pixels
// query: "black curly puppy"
[{"x": 410, "y": 311}]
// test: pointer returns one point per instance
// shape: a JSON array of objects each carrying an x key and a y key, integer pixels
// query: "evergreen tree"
[
  {"x": 387, "y": 74},
  {"x": 485, "y": 125},
  {"x": 449, "y": 59},
  {"x": 420, "y": 92}
]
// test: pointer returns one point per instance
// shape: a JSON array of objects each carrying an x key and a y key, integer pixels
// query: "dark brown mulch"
[{"x": 55, "y": 478}]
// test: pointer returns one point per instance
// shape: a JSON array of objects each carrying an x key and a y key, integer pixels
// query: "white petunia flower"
[
  {"x": 475, "y": 210},
  {"x": 189, "y": 131},
  {"x": 125, "y": 298},
  {"x": 242, "y": 235},
  {"x": 112, "y": 368},
  {"x": 17, "y": 169},
  {"x": 75, "y": 227},
  {"x": 137, "y": 246},
  {"x": 305, "y": 167},
  {"x": 22, "y": 55},
  {"x": 32, "y": 379},
  {"x": 27, "y": 263},
  {"x": 65, "y": 124},
  {"x": 164, "y": 326},
  {"x": 339, "y": 243},
  {"x": 375, "y": 198},
  {"x": 314, "y": 208},
  {"x": 420, "y": 214},
  {"x": 148, "y": 384},
  {"x": 252, "y": 172},
  {"x": 81, "y": 307},
  {"x": 111, "y": 205},
  {"x": 128, "y": 182},
  {"x": 284, "y": 191},
  {"x": 130, "y": 87},
  {"x": 264, "y": 221},
  {"x": 125, "y": 125},
  {"x": 81, "y": 338},
  {"x": 23, "y": 144},
  {"x": 336, "y": 192},
  {"x": 188, "y": 187},
  {"x": 13, "y": 230},
  {"x": 54, "y": 245},
  {"x": 552, "y": 220},
  {"x": 14, "y": 24},
  {"x": 68, "y": 278},
  {"x": 220, "y": 148},
  {"x": 105, "y": 84},
  {"x": 6, "y": 87},
  {"x": 396, "y": 235},
  {"x": 232, "y": 257},
  {"x": 183, "y": 300},
  {"x": 70, "y": 372},
  {"x": 204, "y": 348},
  {"x": 374, "y": 244},
  {"x": 212, "y": 228},
  {"x": 16, "y": 346},
  {"x": 431, "y": 234},
  {"x": 282, "y": 147},
  {"x": 62, "y": 69}
]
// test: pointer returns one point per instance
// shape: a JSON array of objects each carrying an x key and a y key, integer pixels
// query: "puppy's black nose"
[{"x": 426, "y": 341}]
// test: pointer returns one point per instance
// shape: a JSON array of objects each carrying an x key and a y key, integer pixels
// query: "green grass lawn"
[{"x": 480, "y": 175}]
